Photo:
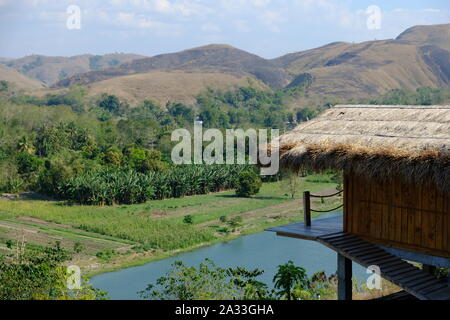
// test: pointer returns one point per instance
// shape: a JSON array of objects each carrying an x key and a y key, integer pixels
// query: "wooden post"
[
  {"x": 344, "y": 273},
  {"x": 307, "y": 208},
  {"x": 448, "y": 278},
  {"x": 429, "y": 268}
]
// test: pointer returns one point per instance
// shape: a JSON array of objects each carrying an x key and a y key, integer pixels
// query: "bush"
[
  {"x": 188, "y": 219},
  {"x": 27, "y": 163},
  {"x": 105, "y": 254},
  {"x": 249, "y": 184}
]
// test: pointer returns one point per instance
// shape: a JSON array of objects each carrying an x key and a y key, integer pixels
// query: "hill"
[
  {"x": 436, "y": 35},
  {"x": 175, "y": 86},
  {"x": 52, "y": 69},
  {"x": 19, "y": 80},
  {"x": 420, "y": 56},
  {"x": 208, "y": 59}
]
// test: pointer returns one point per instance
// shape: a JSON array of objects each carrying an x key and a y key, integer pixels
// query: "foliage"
[
  {"x": 338, "y": 178},
  {"x": 242, "y": 108},
  {"x": 208, "y": 282},
  {"x": 421, "y": 96},
  {"x": 293, "y": 184},
  {"x": 188, "y": 219},
  {"x": 38, "y": 274},
  {"x": 105, "y": 254},
  {"x": 109, "y": 102},
  {"x": 108, "y": 186},
  {"x": 289, "y": 277},
  {"x": 249, "y": 184}
]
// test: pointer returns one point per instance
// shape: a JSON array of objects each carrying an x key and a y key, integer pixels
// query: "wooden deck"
[
  {"x": 319, "y": 227},
  {"x": 413, "y": 280},
  {"x": 329, "y": 232}
]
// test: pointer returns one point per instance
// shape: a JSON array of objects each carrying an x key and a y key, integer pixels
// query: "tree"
[
  {"x": 207, "y": 282},
  {"x": 249, "y": 184},
  {"x": 4, "y": 85},
  {"x": 288, "y": 277},
  {"x": 293, "y": 184},
  {"x": 39, "y": 274},
  {"x": 27, "y": 163},
  {"x": 110, "y": 103}
]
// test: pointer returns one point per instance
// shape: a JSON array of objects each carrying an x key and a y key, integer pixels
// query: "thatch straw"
[{"x": 381, "y": 142}]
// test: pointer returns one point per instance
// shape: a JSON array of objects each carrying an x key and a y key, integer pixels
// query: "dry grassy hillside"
[
  {"x": 169, "y": 86},
  {"x": 210, "y": 59},
  {"x": 52, "y": 69},
  {"x": 19, "y": 80},
  {"x": 436, "y": 35},
  {"x": 418, "y": 57}
]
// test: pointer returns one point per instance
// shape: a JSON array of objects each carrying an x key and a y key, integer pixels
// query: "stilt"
[
  {"x": 344, "y": 273},
  {"x": 429, "y": 268}
]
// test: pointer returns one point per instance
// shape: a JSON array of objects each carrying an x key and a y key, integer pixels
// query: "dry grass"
[
  {"x": 169, "y": 86},
  {"x": 21, "y": 81}
]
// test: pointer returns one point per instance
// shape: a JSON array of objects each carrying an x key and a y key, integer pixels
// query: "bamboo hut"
[{"x": 396, "y": 166}]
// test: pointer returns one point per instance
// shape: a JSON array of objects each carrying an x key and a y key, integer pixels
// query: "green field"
[{"x": 155, "y": 228}]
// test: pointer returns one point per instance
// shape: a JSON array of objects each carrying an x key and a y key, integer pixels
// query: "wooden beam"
[
  {"x": 307, "y": 208},
  {"x": 344, "y": 273}
]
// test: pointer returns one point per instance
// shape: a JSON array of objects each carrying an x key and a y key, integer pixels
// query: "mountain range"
[{"x": 420, "y": 56}]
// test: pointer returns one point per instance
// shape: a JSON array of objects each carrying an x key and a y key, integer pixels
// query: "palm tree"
[
  {"x": 287, "y": 277},
  {"x": 25, "y": 145}
]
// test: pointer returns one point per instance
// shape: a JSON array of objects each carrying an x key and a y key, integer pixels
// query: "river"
[{"x": 264, "y": 251}]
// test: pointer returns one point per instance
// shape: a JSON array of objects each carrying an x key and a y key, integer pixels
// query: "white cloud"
[
  {"x": 210, "y": 27},
  {"x": 135, "y": 21}
]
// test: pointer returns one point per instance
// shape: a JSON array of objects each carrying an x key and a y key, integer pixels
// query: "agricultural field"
[{"x": 111, "y": 237}]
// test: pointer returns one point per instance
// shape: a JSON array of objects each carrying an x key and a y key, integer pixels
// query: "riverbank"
[{"x": 112, "y": 238}]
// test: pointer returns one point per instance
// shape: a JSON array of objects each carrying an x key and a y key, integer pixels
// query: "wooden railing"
[{"x": 307, "y": 205}]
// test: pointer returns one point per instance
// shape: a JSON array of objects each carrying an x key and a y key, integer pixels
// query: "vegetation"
[
  {"x": 248, "y": 184},
  {"x": 210, "y": 282},
  {"x": 38, "y": 274},
  {"x": 72, "y": 147},
  {"x": 289, "y": 277},
  {"x": 421, "y": 96},
  {"x": 156, "y": 228}
]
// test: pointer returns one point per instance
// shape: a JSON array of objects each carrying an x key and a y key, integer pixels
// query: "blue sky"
[{"x": 269, "y": 28}]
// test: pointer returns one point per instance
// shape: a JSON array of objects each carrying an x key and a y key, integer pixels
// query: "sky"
[{"x": 269, "y": 28}]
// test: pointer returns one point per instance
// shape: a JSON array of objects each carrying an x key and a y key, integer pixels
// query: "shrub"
[
  {"x": 188, "y": 219},
  {"x": 105, "y": 254},
  {"x": 249, "y": 184},
  {"x": 27, "y": 163}
]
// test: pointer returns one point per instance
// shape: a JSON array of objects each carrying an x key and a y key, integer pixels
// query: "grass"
[{"x": 158, "y": 225}]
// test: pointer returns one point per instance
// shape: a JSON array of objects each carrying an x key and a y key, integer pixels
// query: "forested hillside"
[{"x": 105, "y": 150}]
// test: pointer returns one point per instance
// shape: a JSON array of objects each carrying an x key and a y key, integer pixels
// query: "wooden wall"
[{"x": 411, "y": 217}]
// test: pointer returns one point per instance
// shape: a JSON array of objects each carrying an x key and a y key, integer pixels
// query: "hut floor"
[{"x": 318, "y": 228}]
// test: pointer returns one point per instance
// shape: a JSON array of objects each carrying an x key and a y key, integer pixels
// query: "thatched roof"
[{"x": 378, "y": 141}]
